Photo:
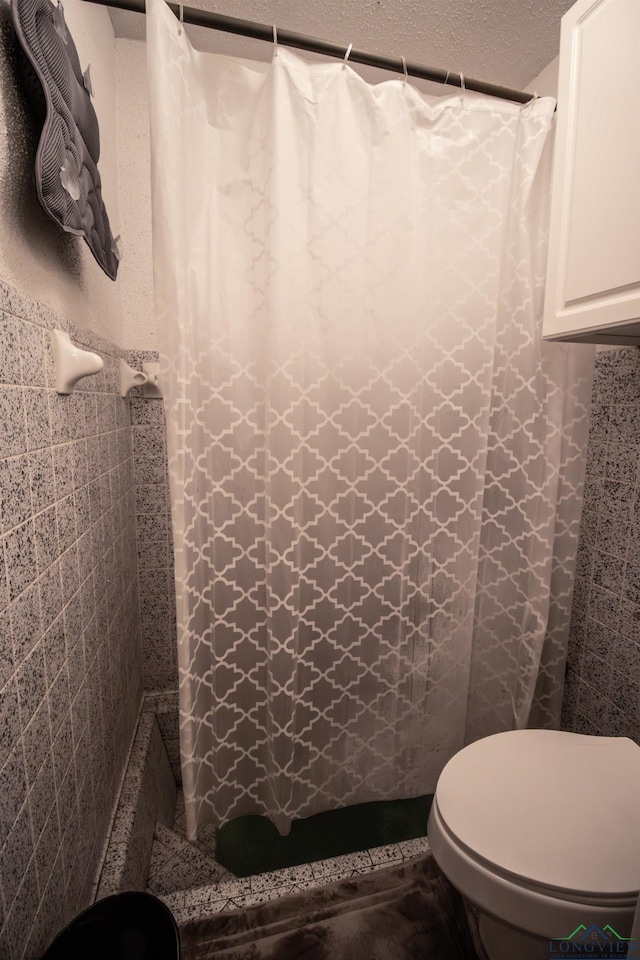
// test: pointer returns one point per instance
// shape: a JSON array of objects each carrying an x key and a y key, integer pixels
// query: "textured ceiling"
[{"x": 500, "y": 41}]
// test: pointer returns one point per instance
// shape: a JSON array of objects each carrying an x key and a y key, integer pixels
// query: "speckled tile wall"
[
  {"x": 166, "y": 707},
  {"x": 155, "y": 545},
  {"x": 85, "y": 519},
  {"x": 70, "y": 665},
  {"x": 602, "y": 692},
  {"x": 148, "y": 796}
]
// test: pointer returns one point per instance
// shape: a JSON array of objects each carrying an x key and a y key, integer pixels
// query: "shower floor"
[
  {"x": 194, "y": 885},
  {"x": 251, "y": 844}
]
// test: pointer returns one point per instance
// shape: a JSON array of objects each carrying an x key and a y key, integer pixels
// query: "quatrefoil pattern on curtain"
[{"x": 376, "y": 465}]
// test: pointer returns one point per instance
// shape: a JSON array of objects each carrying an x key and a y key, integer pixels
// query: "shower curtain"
[{"x": 375, "y": 463}]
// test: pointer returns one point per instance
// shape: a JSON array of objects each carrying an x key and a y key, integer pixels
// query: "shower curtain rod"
[{"x": 261, "y": 31}]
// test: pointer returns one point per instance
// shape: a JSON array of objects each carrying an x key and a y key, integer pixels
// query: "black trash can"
[{"x": 127, "y": 926}]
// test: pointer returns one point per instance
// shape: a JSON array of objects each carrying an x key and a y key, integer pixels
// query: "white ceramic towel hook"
[
  {"x": 130, "y": 378},
  {"x": 72, "y": 363}
]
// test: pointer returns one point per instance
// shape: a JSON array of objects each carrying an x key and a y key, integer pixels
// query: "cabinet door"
[{"x": 593, "y": 271}]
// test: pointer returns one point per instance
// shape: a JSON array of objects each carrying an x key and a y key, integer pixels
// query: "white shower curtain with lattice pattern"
[{"x": 376, "y": 463}]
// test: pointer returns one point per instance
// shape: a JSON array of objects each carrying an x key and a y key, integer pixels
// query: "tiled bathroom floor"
[
  {"x": 179, "y": 865},
  {"x": 187, "y": 878}
]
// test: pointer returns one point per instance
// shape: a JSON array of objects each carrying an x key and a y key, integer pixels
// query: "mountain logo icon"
[{"x": 604, "y": 942}]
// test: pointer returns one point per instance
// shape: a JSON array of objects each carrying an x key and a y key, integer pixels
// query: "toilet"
[{"x": 539, "y": 831}]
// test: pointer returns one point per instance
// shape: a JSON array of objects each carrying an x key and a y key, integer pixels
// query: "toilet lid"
[{"x": 556, "y": 809}]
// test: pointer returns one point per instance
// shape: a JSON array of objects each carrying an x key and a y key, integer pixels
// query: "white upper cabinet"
[{"x": 593, "y": 271}]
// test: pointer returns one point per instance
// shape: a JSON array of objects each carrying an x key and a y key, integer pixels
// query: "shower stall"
[{"x": 376, "y": 463}]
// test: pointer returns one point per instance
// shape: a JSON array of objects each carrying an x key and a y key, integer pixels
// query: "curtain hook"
[
  {"x": 446, "y": 79},
  {"x": 275, "y": 41},
  {"x": 404, "y": 69},
  {"x": 525, "y": 109},
  {"x": 347, "y": 55},
  {"x": 462, "y": 88},
  {"x": 181, "y": 18}
]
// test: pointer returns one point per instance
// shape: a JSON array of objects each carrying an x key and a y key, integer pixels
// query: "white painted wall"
[
  {"x": 134, "y": 179},
  {"x": 36, "y": 256},
  {"x": 546, "y": 83}
]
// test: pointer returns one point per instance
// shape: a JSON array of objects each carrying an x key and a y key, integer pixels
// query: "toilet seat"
[{"x": 539, "y": 826}]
